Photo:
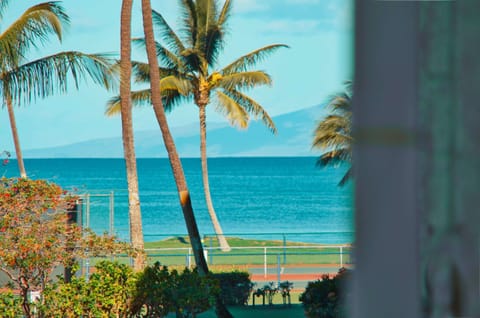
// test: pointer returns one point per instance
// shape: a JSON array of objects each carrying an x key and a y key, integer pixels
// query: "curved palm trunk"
[
  {"x": 16, "y": 140},
  {"x": 178, "y": 174},
  {"x": 136, "y": 233},
  {"x": 206, "y": 185},
  {"x": 177, "y": 169}
]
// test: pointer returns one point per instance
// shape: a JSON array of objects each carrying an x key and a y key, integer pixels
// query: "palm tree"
[
  {"x": 22, "y": 81},
  {"x": 334, "y": 133},
  {"x": 176, "y": 165},
  {"x": 188, "y": 70},
  {"x": 136, "y": 233}
]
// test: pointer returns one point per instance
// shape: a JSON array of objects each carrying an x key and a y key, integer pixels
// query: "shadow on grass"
[{"x": 277, "y": 311}]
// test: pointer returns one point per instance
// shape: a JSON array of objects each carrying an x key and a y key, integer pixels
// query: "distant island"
[{"x": 294, "y": 137}]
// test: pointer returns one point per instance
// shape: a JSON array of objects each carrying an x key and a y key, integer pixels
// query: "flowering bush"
[{"x": 37, "y": 237}]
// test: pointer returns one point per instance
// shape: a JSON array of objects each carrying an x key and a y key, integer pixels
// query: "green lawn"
[{"x": 246, "y": 252}]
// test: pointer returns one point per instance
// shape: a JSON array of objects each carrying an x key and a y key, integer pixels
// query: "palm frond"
[
  {"x": 252, "y": 107},
  {"x": 346, "y": 177},
  {"x": 194, "y": 61},
  {"x": 33, "y": 27},
  {"x": 174, "y": 83},
  {"x": 166, "y": 58},
  {"x": 190, "y": 22},
  {"x": 244, "y": 80},
  {"x": 341, "y": 102},
  {"x": 142, "y": 98},
  {"x": 3, "y": 6},
  {"x": 232, "y": 110},
  {"x": 210, "y": 34},
  {"x": 206, "y": 14},
  {"x": 167, "y": 34},
  {"x": 334, "y": 123},
  {"x": 213, "y": 44},
  {"x": 247, "y": 60},
  {"x": 334, "y": 157},
  {"x": 225, "y": 13},
  {"x": 51, "y": 74},
  {"x": 141, "y": 72},
  {"x": 332, "y": 139},
  {"x": 139, "y": 98}
]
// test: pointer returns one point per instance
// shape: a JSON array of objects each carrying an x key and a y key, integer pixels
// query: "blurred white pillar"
[
  {"x": 417, "y": 159},
  {"x": 385, "y": 104}
]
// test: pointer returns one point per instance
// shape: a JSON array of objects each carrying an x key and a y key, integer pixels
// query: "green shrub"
[
  {"x": 235, "y": 287},
  {"x": 325, "y": 298},
  {"x": 107, "y": 294},
  {"x": 193, "y": 293},
  {"x": 153, "y": 292},
  {"x": 10, "y": 305},
  {"x": 160, "y": 291}
]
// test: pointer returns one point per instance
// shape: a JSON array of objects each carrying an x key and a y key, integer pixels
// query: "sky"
[{"x": 320, "y": 58}]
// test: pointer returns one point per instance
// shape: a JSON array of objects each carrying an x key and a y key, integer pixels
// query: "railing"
[{"x": 336, "y": 255}]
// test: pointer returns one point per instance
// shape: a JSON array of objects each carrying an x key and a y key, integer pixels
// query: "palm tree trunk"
[
  {"x": 177, "y": 169},
  {"x": 16, "y": 140},
  {"x": 178, "y": 174},
  {"x": 136, "y": 233},
  {"x": 206, "y": 185}
]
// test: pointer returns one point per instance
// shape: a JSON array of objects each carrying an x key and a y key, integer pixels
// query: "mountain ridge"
[{"x": 295, "y": 133}]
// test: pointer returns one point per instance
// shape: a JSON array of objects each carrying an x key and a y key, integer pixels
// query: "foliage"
[
  {"x": 23, "y": 80},
  {"x": 160, "y": 291},
  {"x": 189, "y": 66},
  {"x": 235, "y": 287},
  {"x": 37, "y": 237},
  {"x": 153, "y": 294},
  {"x": 325, "y": 298},
  {"x": 10, "y": 305},
  {"x": 334, "y": 133},
  {"x": 107, "y": 294},
  {"x": 193, "y": 293}
]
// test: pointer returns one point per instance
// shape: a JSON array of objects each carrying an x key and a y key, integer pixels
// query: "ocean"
[{"x": 270, "y": 198}]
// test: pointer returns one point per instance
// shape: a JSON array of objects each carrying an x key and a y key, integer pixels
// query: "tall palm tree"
[
  {"x": 189, "y": 69},
  {"x": 136, "y": 233},
  {"x": 334, "y": 133},
  {"x": 22, "y": 80},
  {"x": 177, "y": 169}
]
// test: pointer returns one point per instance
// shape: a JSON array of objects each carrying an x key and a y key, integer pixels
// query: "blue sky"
[{"x": 319, "y": 60}]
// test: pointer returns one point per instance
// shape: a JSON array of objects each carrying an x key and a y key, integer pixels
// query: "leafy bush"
[
  {"x": 325, "y": 298},
  {"x": 160, "y": 291},
  {"x": 153, "y": 293},
  {"x": 193, "y": 293},
  {"x": 37, "y": 237},
  {"x": 10, "y": 305},
  {"x": 235, "y": 287},
  {"x": 107, "y": 294}
]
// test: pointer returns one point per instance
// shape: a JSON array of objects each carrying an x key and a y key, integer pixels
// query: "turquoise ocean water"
[{"x": 253, "y": 197}]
